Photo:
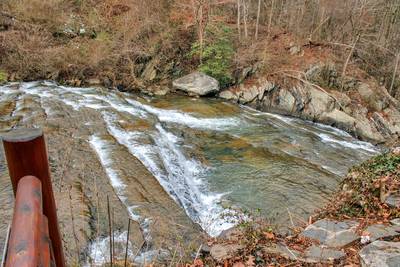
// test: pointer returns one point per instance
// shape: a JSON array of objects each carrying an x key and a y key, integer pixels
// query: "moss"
[{"x": 3, "y": 76}]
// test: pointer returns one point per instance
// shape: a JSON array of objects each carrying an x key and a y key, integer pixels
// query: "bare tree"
[
  {"x": 258, "y": 18},
  {"x": 238, "y": 19}
]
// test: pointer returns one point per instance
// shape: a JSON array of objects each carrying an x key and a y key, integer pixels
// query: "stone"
[
  {"x": 393, "y": 200},
  {"x": 323, "y": 254},
  {"x": 338, "y": 119},
  {"x": 286, "y": 101},
  {"x": 231, "y": 234},
  {"x": 367, "y": 132},
  {"x": 320, "y": 101},
  {"x": 380, "y": 254},
  {"x": 395, "y": 221},
  {"x": 372, "y": 97},
  {"x": 250, "y": 94},
  {"x": 228, "y": 95},
  {"x": 150, "y": 71},
  {"x": 332, "y": 233},
  {"x": 222, "y": 252},
  {"x": 282, "y": 250},
  {"x": 382, "y": 124},
  {"x": 380, "y": 231},
  {"x": 294, "y": 50},
  {"x": 197, "y": 83}
]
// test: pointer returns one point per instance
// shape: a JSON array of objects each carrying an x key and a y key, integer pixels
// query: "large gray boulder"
[
  {"x": 332, "y": 233},
  {"x": 381, "y": 254},
  {"x": 197, "y": 83}
]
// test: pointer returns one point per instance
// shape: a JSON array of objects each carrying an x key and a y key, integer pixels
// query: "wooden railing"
[{"x": 34, "y": 234}]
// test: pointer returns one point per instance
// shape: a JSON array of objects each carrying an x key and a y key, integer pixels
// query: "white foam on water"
[
  {"x": 96, "y": 249},
  {"x": 179, "y": 175},
  {"x": 101, "y": 148},
  {"x": 326, "y": 138},
  {"x": 99, "y": 251},
  {"x": 174, "y": 116}
]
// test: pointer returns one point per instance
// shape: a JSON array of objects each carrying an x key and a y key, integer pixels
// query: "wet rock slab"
[
  {"x": 332, "y": 233},
  {"x": 380, "y": 254},
  {"x": 380, "y": 231},
  {"x": 323, "y": 254}
]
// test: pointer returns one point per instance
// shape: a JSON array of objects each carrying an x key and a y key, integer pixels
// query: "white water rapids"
[{"x": 164, "y": 151}]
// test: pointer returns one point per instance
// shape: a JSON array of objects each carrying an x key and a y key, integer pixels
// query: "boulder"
[
  {"x": 373, "y": 97},
  {"x": 332, "y": 233},
  {"x": 197, "y": 83},
  {"x": 393, "y": 200},
  {"x": 250, "y": 94},
  {"x": 380, "y": 254},
  {"x": 380, "y": 231},
  {"x": 395, "y": 221},
  {"x": 323, "y": 254},
  {"x": 228, "y": 95},
  {"x": 338, "y": 119},
  {"x": 320, "y": 102}
]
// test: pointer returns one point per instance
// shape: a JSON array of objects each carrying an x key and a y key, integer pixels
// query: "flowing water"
[{"x": 211, "y": 157}]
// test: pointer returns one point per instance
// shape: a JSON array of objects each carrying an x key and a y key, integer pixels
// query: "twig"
[
  {"x": 348, "y": 59},
  {"x": 198, "y": 252},
  {"x": 110, "y": 230},
  {"x": 127, "y": 241},
  {"x": 290, "y": 216},
  {"x": 394, "y": 74}
]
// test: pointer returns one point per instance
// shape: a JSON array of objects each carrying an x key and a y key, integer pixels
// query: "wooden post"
[
  {"x": 24, "y": 246},
  {"x": 45, "y": 255},
  {"x": 26, "y": 154}
]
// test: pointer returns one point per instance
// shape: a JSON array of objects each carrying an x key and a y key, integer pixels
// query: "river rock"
[
  {"x": 282, "y": 250},
  {"x": 323, "y": 254},
  {"x": 395, "y": 221},
  {"x": 320, "y": 101},
  {"x": 393, "y": 200},
  {"x": 222, "y": 252},
  {"x": 332, "y": 233},
  {"x": 251, "y": 94},
  {"x": 228, "y": 95},
  {"x": 380, "y": 231},
  {"x": 197, "y": 83},
  {"x": 338, "y": 119},
  {"x": 381, "y": 254},
  {"x": 373, "y": 97}
]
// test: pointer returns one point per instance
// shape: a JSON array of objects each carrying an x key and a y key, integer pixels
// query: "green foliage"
[
  {"x": 216, "y": 54},
  {"x": 362, "y": 189},
  {"x": 383, "y": 164},
  {"x": 3, "y": 76}
]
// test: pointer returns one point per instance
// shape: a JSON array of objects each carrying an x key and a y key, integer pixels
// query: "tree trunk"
[
  {"x": 258, "y": 18},
  {"x": 238, "y": 19}
]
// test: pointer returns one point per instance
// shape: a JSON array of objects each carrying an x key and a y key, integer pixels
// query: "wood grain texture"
[{"x": 26, "y": 154}]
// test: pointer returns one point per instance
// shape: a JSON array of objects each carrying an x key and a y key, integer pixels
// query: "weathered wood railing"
[{"x": 34, "y": 236}]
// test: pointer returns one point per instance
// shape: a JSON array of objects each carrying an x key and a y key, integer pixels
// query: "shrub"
[{"x": 217, "y": 54}]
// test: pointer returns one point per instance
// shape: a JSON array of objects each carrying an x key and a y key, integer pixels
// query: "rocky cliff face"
[{"x": 362, "y": 108}]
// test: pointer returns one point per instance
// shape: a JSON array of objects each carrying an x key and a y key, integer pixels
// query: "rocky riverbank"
[
  {"x": 359, "y": 106},
  {"x": 360, "y": 227}
]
